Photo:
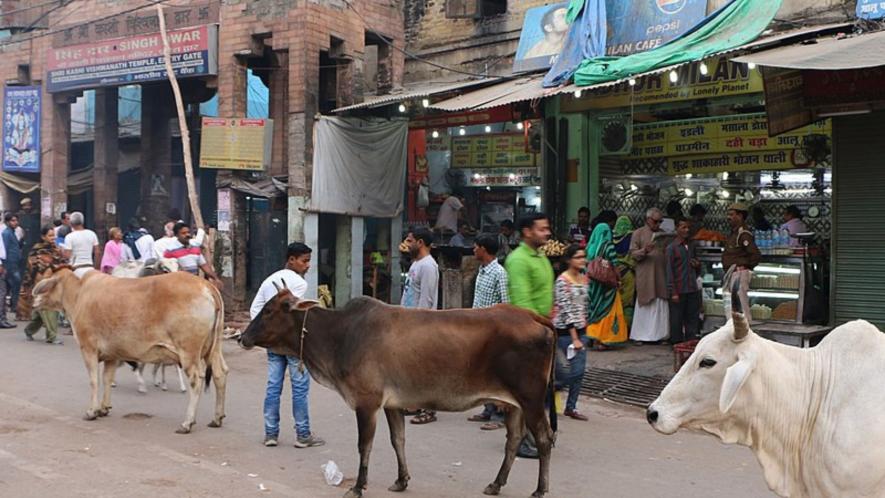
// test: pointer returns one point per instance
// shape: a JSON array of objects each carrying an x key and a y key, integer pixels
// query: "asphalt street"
[{"x": 46, "y": 449}]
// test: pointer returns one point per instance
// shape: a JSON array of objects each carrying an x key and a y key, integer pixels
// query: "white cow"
[
  {"x": 813, "y": 417},
  {"x": 136, "y": 269}
]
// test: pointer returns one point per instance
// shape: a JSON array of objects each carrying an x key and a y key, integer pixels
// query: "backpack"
[{"x": 129, "y": 239}]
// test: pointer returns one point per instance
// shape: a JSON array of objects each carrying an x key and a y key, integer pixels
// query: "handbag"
[{"x": 603, "y": 271}]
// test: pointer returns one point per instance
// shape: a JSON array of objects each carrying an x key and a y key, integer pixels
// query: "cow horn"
[
  {"x": 283, "y": 281},
  {"x": 736, "y": 305},
  {"x": 277, "y": 286},
  {"x": 741, "y": 326}
]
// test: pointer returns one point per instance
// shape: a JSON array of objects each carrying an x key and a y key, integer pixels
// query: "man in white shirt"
[
  {"x": 449, "y": 213},
  {"x": 81, "y": 245},
  {"x": 297, "y": 264},
  {"x": 4, "y": 320}
]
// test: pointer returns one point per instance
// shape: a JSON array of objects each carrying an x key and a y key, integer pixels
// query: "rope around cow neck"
[{"x": 301, "y": 346}]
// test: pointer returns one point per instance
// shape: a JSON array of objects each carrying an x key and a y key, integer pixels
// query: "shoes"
[
  {"x": 270, "y": 441},
  {"x": 575, "y": 415},
  {"x": 309, "y": 442},
  {"x": 6, "y": 325},
  {"x": 30, "y": 338},
  {"x": 56, "y": 342},
  {"x": 527, "y": 450}
]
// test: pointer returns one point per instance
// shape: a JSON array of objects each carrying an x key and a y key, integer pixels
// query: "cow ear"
[
  {"x": 303, "y": 305},
  {"x": 44, "y": 286},
  {"x": 735, "y": 377}
]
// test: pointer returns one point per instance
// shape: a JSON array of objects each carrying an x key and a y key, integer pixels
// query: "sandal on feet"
[
  {"x": 479, "y": 418},
  {"x": 492, "y": 426},
  {"x": 424, "y": 418}
]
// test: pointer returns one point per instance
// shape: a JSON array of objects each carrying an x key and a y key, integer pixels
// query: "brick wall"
[{"x": 472, "y": 45}]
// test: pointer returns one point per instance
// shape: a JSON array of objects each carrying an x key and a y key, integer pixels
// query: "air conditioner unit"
[{"x": 616, "y": 135}]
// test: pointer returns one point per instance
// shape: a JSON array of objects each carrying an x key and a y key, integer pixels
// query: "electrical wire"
[
  {"x": 23, "y": 9},
  {"x": 418, "y": 58},
  {"x": 151, "y": 3}
]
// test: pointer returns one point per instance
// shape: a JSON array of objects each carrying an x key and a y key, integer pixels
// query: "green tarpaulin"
[{"x": 736, "y": 24}]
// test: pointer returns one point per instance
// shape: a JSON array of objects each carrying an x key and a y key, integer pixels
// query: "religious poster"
[{"x": 21, "y": 129}]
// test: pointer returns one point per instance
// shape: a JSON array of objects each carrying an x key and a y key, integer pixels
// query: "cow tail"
[
  {"x": 216, "y": 336},
  {"x": 551, "y": 393}
]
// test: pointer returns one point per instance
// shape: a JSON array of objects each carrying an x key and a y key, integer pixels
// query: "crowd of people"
[{"x": 29, "y": 255}]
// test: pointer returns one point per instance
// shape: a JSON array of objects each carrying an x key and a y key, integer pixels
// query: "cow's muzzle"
[{"x": 651, "y": 415}]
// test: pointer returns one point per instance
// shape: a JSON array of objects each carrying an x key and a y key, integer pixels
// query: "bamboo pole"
[{"x": 182, "y": 123}]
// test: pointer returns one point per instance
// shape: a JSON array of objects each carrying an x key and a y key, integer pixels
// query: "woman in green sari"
[
  {"x": 605, "y": 314},
  {"x": 622, "y": 237}
]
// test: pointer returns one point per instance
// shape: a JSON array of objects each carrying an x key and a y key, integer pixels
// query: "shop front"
[
  {"x": 698, "y": 136},
  {"x": 491, "y": 162}
]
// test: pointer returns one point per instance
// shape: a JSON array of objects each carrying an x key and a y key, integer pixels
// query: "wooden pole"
[{"x": 182, "y": 123}]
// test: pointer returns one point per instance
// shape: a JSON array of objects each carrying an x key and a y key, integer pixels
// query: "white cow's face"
[{"x": 704, "y": 390}]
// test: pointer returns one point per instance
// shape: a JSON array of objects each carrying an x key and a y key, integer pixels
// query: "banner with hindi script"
[{"x": 728, "y": 143}]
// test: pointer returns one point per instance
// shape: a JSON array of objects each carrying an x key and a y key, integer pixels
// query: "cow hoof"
[
  {"x": 538, "y": 494},
  {"x": 142, "y": 390},
  {"x": 215, "y": 423},
  {"x": 399, "y": 486},
  {"x": 113, "y": 384},
  {"x": 104, "y": 412},
  {"x": 164, "y": 388},
  {"x": 184, "y": 429},
  {"x": 492, "y": 489},
  {"x": 90, "y": 415},
  {"x": 353, "y": 492}
]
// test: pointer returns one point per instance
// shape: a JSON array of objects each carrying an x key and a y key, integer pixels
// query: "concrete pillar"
[
  {"x": 357, "y": 235},
  {"x": 396, "y": 236},
  {"x": 104, "y": 173},
  {"x": 156, "y": 155},
  {"x": 343, "y": 260},
  {"x": 279, "y": 113},
  {"x": 56, "y": 130},
  {"x": 312, "y": 239}
]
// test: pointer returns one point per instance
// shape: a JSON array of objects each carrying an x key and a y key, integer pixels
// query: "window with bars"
[{"x": 475, "y": 9}]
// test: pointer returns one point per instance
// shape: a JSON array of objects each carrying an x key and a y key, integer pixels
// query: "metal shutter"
[{"x": 858, "y": 228}]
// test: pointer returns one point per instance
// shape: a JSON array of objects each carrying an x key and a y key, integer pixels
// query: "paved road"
[{"x": 46, "y": 449}]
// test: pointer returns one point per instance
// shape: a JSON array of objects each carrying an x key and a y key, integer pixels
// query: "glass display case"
[{"x": 777, "y": 288}]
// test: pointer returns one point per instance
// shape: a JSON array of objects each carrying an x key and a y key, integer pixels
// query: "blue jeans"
[
  {"x": 570, "y": 373},
  {"x": 276, "y": 376},
  {"x": 13, "y": 285}
]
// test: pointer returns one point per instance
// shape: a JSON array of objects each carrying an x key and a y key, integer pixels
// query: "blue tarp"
[{"x": 586, "y": 40}]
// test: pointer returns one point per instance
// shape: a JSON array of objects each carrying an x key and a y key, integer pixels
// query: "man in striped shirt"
[
  {"x": 190, "y": 258},
  {"x": 491, "y": 289},
  {"x": 682, "y": 286}
]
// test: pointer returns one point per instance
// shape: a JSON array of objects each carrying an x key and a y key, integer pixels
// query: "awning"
[
  {"x": 530, "y": 87},
  {"x": 508, "y": 92},
  {"x": 268, "y": 187},
  {"x": 829, "y": 54},
  {"x": 428, "y": 90}
]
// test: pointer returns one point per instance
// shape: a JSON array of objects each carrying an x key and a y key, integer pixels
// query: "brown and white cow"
[
  {"x": 379, "y": 356},
  {"x": 173, "y": 319}
]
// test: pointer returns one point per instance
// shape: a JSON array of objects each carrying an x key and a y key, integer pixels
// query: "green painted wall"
[{"x": 583, "y": 139}]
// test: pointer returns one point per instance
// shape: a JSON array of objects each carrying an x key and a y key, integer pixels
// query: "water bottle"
[
  {"x": 785, "y": 238},
  {"x": 764, "y": 238}
]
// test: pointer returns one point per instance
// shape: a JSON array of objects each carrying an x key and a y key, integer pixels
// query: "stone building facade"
[{"x": 311, "y": 54}]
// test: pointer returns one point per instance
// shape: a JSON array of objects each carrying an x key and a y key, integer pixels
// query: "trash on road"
[{"x": 332, "y": 474}]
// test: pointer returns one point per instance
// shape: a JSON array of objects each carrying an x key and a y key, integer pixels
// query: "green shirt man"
[{"x": 529, "y": 273}]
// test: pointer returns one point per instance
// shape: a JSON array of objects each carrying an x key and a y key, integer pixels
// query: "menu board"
[
  {"x": 731, "y": 143},
  {"x": 492, "y": 151},
  {"x": 236, "y": 143}
]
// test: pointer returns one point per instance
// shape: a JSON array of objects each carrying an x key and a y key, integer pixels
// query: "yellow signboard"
[
  {"x": 237, "y": 143},
  {"x": 723, "y": 78},
  {"x": 729, "y": 143},
  {"x": 491, "y": 151}
]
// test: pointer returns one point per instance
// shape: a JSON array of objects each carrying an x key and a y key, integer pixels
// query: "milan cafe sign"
[{"x": 129, "y": 50}]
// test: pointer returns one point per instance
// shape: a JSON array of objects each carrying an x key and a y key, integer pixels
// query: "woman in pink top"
[{"x": 115, "y": 251}]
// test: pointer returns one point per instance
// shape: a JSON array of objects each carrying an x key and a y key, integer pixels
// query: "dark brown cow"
[{"x": 379, "y": 356}]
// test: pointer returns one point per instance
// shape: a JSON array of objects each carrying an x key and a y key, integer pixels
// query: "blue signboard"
[
  {"x": 870, "y": 9},
  {"x": 21, "y": 129},
  {"x": 640, "y": 25},
  {"x": 544, "y": 32}
]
